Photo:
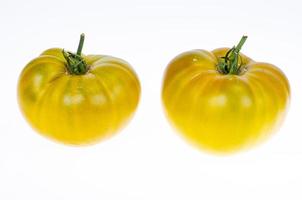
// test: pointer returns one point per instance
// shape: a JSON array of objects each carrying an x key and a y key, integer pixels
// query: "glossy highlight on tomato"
[
  {"x": 223, "y": 101},
  {"x": 77, "y": 99}
]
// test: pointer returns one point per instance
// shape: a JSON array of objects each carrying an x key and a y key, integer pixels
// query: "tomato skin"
[
  {"x": 223, "y": 113},
  {"x": 77, "y": 109}
]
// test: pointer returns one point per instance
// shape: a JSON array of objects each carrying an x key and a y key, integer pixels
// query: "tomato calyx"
[
  {"x": 231, "y": 62},
  {"x": 76, "y": 65}
]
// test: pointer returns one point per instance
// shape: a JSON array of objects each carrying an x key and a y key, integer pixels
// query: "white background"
[{"x": 147, "y": 160}]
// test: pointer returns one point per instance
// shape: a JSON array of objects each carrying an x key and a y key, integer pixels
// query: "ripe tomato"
[
  {"x": 223, "y": 101},
  {"x": 77, "y": 99}
]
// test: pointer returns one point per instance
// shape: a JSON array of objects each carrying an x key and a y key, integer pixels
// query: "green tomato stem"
[
  {"x": 229, "y": 64},
  {"x": 234, "y": 67},
  {"x": 81, "y": 43},
  {"x": 76, "y": 65}
]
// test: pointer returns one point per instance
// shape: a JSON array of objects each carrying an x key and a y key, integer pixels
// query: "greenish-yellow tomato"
[
  {"x": 77, "y": 99},
  {"x": 223, "y": 101}
]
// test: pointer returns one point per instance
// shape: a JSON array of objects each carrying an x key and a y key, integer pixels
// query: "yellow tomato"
[
  {"x": 77, "y": 99},
  {"x": 223, "y": 101}
]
